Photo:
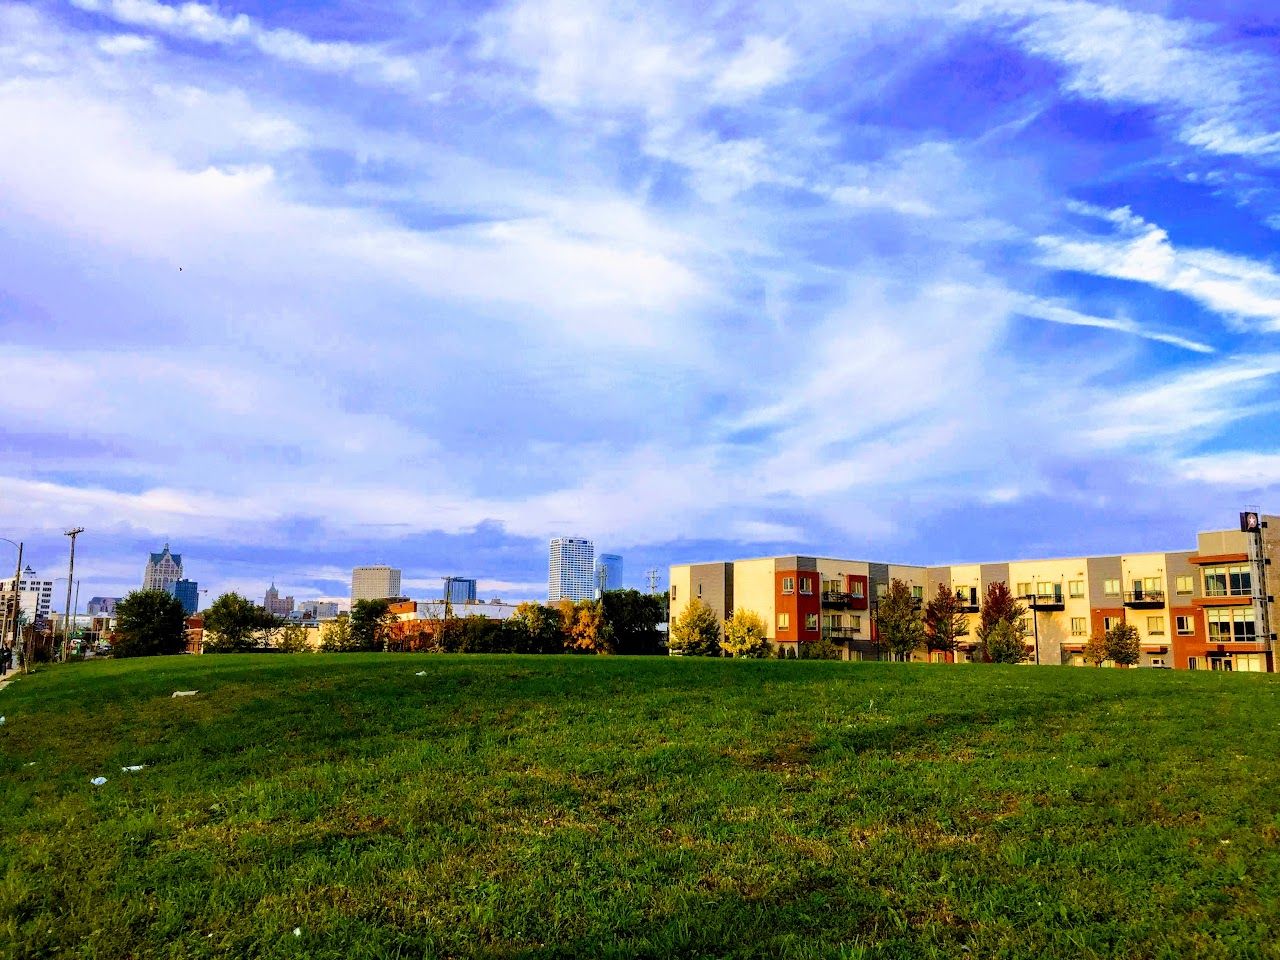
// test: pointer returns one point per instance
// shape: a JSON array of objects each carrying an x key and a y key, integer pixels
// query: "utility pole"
[
  {"x": 71, "y": 573},
  {"x": 17, "y": 607},
  {"x": 652, "y": 576}
]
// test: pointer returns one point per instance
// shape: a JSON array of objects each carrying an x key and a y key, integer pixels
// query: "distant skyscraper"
[
  {"x": 374, "y": 583},
  {"x": 162, "y": 570},
  {"x": 572, "y": 573},
  {"x": 277, "y": 605},
  {"x": 103, "y": 606},
  {"x": 35, "y": 598},
  {"x": 608, "y": 572},
  {"x": 188, "y": 594},
  {"x": 463, "y": 590}
]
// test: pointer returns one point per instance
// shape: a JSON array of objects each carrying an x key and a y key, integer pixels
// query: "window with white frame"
[
  {"x": 1076, "y": 589},
  {"x": 855, "y": 624},
  {"x": 1185, "y": 626},
  {"x": 1109, "y": 622},
  {"x": 788, "y": 584},
  {"x": 1078, "y": 627},
  {"x": 1155, "y": 626},
  {"x": 1184, "y": 585},
  {"x": 1111, "y": 587},
  {"x": 784, "y": 621},
  {"x": 806, "y": 585},
  {"x": 1228, "y": 581},
  {"x": 1231, "y": 625},
  {"x": 855, "y": 589},
  {"x": 811, "y": 621},
  {"x": 1023, "y": 588}
]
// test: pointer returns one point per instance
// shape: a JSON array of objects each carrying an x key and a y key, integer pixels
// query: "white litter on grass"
[
  {"x": 184, "y": 693},
  {"x": 1, "y": 721},
  {"x": 98, "y": 781},
  {"x": 297, "y": 931},
  {"x": 420, "y": 673},
  {"x": 134, "y": 769}
]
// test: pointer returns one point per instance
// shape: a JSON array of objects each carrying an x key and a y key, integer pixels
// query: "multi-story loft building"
[
  {"x": 275, "y": 604},
  {"x": 374, "y": 583},
  {"x": 572, "y": 573},
  {"x": 162, "y": 570},
  {"x": 187, "y": 593},
  {"x": 35, "y": 600},
  {"x": 1209, "y": 608},
  {"x": 608, "y": 572}
]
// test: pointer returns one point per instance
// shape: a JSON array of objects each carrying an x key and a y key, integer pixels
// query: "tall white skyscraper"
[
  {"x": 573, "y": 569},
  {"x": 374, "y": 583},
  {"x": 163, "y": 570}
]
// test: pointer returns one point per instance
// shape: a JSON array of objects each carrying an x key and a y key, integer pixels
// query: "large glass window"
[
  {"x": 1076, "y": 588},
  {"x": 1111, "y": 587},
  {"x": 1231, "y": 625},
  {"x": 1152, "y": 584},
  {"x": 1233, "y": 581},
  {"x": 1241, "y": 580},
  {"x": 1183, "y": 584},
  {"x": 1155, "y": 626},
  {"x": 855, "y": 589},
  {"x": 1024, "y": 588}
]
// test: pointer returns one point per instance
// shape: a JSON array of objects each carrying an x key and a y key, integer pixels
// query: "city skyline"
[{"x": 714, "y": 286}]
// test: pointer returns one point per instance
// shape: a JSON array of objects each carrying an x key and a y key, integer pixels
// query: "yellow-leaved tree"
[{"x": 745, "y": 636}]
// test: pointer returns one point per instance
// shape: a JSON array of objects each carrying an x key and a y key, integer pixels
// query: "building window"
[
  {"x": 1157, "y": 661},
  {"x": 784, "y": 621},
  {"x": 673, "y": 593},
  {"x": 1152, "y": 584},
  {"x": 1231, "y": 625},
  {"x": 1185, "y": 626},
  {"x": 788, "y": 584},
  {"x": 811, "y": 621},
  {"x": 806, "y": 585},
  {"x": 855, "y": 624},
  {"x": 1111, "y": 588},
  {"x": 1076, "y": 588},
  {"x": 1250, "y": 663},
  {"x": 855, "y": 589},
  {"x": 1183, "y": 585},
  {"x": 1233, "y": 581},
  {"x": 1109, "y": 622},
  {"x": 1024, "y": 589},
  {"x": 1155, "y": 626},
  {"x": 1193, "y": 663},
  {"x": 1078, "y": 627},
  {"x": 1045, "y": 588},
  {"x": 917, "y": 592},
  {"x": 881, "y": 589},
  {"x": 699, "y": 589}
]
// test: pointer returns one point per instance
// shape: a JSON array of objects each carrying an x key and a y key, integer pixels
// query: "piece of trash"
[
  {"x": 420, "y": 673},
  {"x": 98, "y": 781},
  {"x": 134, "y": 769},
  {"x": 297, "y": 931},
  {"x": 31, "y": 764},
  {"x": 1, "y": 721},
  {"x": 184, "y": 693}
]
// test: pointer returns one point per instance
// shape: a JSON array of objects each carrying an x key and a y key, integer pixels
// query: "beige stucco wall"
[{"x": 753, "y": 589}]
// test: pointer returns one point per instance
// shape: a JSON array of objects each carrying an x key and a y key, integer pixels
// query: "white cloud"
[
  {"x": 125, "y": 44},
  {"x": 1244, "y": 290},
  {"x": 1057, "y": 313},
  {"x": 1233, "y": 469},
  {"x": 762, "y": 62},
  {"x": 206, "y": 24}
]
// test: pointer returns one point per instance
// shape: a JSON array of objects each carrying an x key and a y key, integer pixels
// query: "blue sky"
[{"x": 302, "y": 287}]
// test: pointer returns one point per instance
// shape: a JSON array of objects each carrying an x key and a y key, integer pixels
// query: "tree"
[
  {"x": 821, "y": 649},
  {"x": 898, "y": 622},
  {"x": 335, "y": 636},
  {"x": 536, "y": 628},
  {"x": 234, "y": 624},
  {"x": 634, "y": 618},
  {"x": 588, "y": 629},
  {"x": 1124, "y": 647},
  {"x": 746, "y": 636},
  {"x": 696, "y": 632},
  {"x": 944, "y": 624},
  {"x": 999, "y": 603},
  {"x": 1006, "y": 642},
  {"x": 1095, "y": 651},
  {"x": 293, "y": 638},
  {"x": 149, "y": 623},
  {"x": 370, "y": 624}
]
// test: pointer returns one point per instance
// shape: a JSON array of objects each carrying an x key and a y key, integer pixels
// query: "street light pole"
[{"x": 66, "y": 610}]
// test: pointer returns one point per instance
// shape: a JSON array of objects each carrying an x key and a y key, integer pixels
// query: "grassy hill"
[{"x": 590, "y": 806}]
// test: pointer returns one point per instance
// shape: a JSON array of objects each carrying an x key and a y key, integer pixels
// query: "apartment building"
[
  {"x": 374, "y": 583},
  {"x": 1210, "y": 608}
]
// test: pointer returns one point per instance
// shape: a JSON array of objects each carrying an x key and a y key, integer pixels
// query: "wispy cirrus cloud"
[{"x": 207, "y": 24}]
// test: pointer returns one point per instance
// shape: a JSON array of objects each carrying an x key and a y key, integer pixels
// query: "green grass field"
[{"x": 594, "y": 806}]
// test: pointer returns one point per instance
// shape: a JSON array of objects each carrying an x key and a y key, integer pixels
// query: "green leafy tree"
[
  {"x": 1095, "y": 651},
  {"x": 898, "y": 623},
  {"x": 370, "y": 623},
  {"x": 1124, "y": 646},
  {"x": 1006, "y": 642},
  {"x": 335, "y": 636},
  {"x": 746, "y": 636},
  {"x": 536, "y": 628},
  {"x": 944, "y": 623},
  {"x": 149, "y": 623},
  {"x": 634, "y": 619},
  {"x": 696, "y": 632},
  {"x": 293, "y": 638},
  {"x": 235, "y": 624}
]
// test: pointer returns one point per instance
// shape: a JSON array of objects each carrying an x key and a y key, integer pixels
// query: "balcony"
[
  {"x": 842, "y": 633},
  {"x": 966, "y": 603},
  {"x": 1046, "y": 601},
  {"x": 1140, "y": 599},
  {"x": 837, "y": 599}
]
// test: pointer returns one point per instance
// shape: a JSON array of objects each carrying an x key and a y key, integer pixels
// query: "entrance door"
[{"x": 1220, "y": 663}]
